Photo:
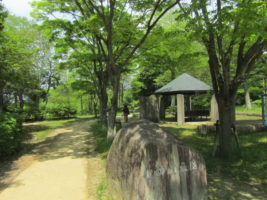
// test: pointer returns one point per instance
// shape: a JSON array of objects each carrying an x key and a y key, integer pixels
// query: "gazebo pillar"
[
  {"x": 180, "y": 109},
  {"x": 214, "y": 113}
]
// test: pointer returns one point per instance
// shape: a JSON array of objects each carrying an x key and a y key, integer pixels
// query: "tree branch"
[{"x": 149, "y": 28}]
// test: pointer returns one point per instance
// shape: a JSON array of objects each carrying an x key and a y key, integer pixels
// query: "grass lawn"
[
  {"x": 245, "y": 117},
  {"x": 40, "y": 130},
  {"x": 244, "y": 177},
  {"x": 255, "y": 109}
]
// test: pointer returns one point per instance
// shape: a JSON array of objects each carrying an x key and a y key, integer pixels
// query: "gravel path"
[{"x": 63, "y": 167}]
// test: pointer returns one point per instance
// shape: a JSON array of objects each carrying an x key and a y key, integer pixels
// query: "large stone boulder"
[{"x": 146, "y": 163}]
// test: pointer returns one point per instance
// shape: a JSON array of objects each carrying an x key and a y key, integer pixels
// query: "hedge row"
[{"x": 11, "y": 134}]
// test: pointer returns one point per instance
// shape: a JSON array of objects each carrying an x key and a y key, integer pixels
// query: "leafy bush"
[
  {"x": 255, "y": 93},
  {"x": 61, "y": 111},
  {"x": 240, "y": 97},
  {"x": 201, "y": 102},
  {"x": 103, "y": 145},
  {"x": 257, "y": 102},
  {"x": 10, "y": 134},
  {"x": 172, "y": 110},
  {"x": 33, "y": 113}
]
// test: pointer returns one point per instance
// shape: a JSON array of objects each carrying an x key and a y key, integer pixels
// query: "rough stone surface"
[
  {"x": 146, "y": 163},
  {"x": 150, "y": 108},
  {"x": 180, "y": 109}
]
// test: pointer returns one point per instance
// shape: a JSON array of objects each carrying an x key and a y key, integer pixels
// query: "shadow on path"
[{"x": 72, "y": 140}]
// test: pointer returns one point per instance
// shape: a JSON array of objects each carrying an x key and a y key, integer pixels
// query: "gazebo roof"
[{"x": 184, "y": 84}]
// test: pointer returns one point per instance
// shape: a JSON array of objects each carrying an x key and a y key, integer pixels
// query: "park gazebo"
[{"x": 187, "y": 85}]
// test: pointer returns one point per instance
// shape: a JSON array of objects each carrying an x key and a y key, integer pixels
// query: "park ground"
[
  {"x": 65, "y": 159},
  {"x": 59, "y": 163}
]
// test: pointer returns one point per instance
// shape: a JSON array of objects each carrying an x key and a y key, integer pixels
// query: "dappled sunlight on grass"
[
  {"x": 242, "y": 177},
  {"x": 255, "y": 109}
]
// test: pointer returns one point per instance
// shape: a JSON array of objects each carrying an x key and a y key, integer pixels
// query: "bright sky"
[{"x": 18, "y": 7}]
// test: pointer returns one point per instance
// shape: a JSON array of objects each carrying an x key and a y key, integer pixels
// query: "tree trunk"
[
  {"x": 114, "y": 107},
  {"x": 162, "y": 107},
  {"x": 21, "y": 102},
  {"x": 81, "y": 104},
  {"x": 173, "y": 100},
  {"x": 1, "y": 101},
  {"x": 48, "y": 90},
  {"x": 95, "y": 109},
  {"x": 226, "y": 108},
  {"x": 247, "y": 98},
  {"x": 16, "y": 100},
  {"x": 150, "y": 108},
  {"x": 103, "y": 101}
]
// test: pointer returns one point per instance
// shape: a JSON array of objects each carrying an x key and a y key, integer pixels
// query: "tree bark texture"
[
  {"x": 21, "y": 102},
  {"x": 149, "y": 108},
  {"x": 226, "y": 121},
  {"x": 1, "y": 101},
  {"x": 103, "y": 101},
  {"x": 114, "y": 106},
  {"x": 162, "y": 107},
  {"x": 247, "y": 99},
  {"x": 227, "y": 72}
]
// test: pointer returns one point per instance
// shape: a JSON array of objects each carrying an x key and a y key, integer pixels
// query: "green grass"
[
  {"x": 100, "y": 133},
  {"x": 249, "y": 168},
  {"x": 246, "y": 117},
  {"x": 85, "y": 116},
  {"x": 40, "y": 130},
  {"x": 228, "y": 179},
  {"x": 102, "y": 147},
  {"x": 255, "y": 109},
  {"x": 101, "y": 193}
]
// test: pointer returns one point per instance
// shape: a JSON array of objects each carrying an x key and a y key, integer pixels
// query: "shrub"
[
  {"x": 172, "y": 110},
  {"x": 61, "y": 111},
  {"x": 10, "y": 134},
  {"x": 33, "y": 114},
  {"x": 257, "y": 102}
]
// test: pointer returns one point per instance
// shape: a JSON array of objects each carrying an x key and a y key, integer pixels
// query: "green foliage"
[
  {"x": 99, "y": 130},
  {"x": 144, "y": 83},
  {"x": 201, "y": 101},
  {"x": 257, "y": 102},
  {"x": 167, "y": 53},
  {"x": 3, "y": 15},
  {"x": 172, "y": 110},
  {"x": 10, "y": 134},
  {"x": 61, "y": 111},
  {"x": 63, "y": 102},
  {"x": 255, "y": 93},
  {"x": 25, "y": 72},
  {"x": 101, "y": 193}
]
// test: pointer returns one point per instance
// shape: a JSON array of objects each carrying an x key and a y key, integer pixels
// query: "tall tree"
[
  {"x": 234, "y": 34},
  {"x": 119, "y": 28},
  {"x": 3, "y": 15}
]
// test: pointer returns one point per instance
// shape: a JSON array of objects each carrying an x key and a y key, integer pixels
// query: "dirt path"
[{"x": 63, "y": 167}]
